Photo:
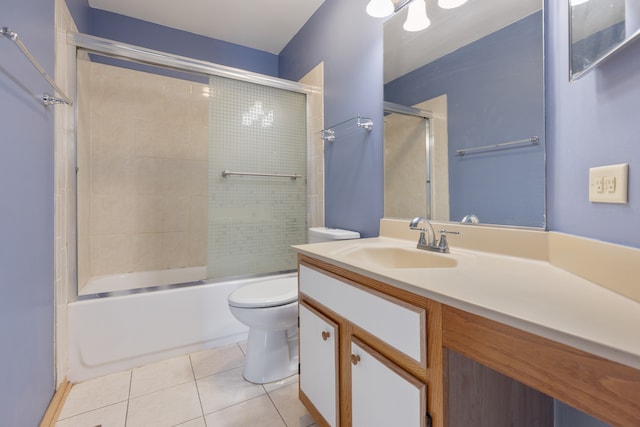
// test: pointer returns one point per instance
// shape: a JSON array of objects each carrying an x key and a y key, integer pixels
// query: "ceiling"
[{"x": 259, "y": 24}]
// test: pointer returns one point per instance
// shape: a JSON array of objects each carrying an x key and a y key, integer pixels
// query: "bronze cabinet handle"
[
  {"x": 325, "y": 335},
  {"x": 355, "y": 359}
]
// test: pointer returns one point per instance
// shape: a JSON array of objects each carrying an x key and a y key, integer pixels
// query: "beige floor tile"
[
  {"x": 226, "y": 389},
  {"x": 282, "y": 383},
  {"x": 167, "y": 407},
  {"x": 217, "y": 360},
  {"x": 255, "y": 412},
  {"x": 161, "y": 375},
  {"x": 290, "y": 407},
  {"x": 109, "y": 416},
  {"x": 243, "y": 347},
  {"x": 198, "y": 422},
  {"x": 96, "y": 393}
]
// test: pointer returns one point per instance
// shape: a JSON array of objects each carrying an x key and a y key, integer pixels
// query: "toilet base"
[{"x": 271, "y": 356}]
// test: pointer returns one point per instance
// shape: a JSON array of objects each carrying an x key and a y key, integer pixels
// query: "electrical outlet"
[
  {"x": 599, "y": 184},
  {"x": 608, "y": 184}
]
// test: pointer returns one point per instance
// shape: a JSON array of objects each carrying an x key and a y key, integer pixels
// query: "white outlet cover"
[{"x": 616, "y": 174}]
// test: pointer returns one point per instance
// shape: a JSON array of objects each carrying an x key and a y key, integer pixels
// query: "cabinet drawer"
[{"x": 395, "y": 322}]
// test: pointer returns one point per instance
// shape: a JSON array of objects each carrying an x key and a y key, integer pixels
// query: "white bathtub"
[
  {"x": 142, "y": 279},
  {"x": 121, "y": 332}
]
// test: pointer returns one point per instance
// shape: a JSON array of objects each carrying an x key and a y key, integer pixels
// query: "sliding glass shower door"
[{"x": 257, "y": 178}]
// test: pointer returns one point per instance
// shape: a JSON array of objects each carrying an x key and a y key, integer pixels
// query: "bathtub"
[
  {"x": 121, "y": 332},
  {"x": 142, "y": 279}
]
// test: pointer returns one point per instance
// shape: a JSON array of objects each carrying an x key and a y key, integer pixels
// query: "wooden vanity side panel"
[
  {"x": 435, "y": 366},
  {"x": 482, "y": 397},
  {"x": 604, "y": 389}
]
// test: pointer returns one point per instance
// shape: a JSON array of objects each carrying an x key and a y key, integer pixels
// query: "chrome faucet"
[
  {"x": 470, "y": 219},
  {"x": 431, "y": 244}
]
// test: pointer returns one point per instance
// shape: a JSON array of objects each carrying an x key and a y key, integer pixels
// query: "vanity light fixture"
[
  {"x": 417, "y": 19},
  {"x": 450, "y": 4},
  {"x": 380, "y": 8}
]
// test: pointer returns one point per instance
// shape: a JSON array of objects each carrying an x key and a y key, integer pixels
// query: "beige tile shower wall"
[
  {"x": 148, "y": 171},
  {"x": 439, "y": 156},
  {"x": 315, "y": 148},
  {"x": 405, "y": 193}
]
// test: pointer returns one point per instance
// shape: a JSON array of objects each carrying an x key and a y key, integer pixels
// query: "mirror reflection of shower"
[
  {"x": 416, "y": 170},
  {"x": 147, "y": 162}
]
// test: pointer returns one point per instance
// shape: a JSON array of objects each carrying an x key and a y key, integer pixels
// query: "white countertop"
[{"x": 527, "y": 294}]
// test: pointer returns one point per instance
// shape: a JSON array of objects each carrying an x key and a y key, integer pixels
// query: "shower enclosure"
[{"x": 186, "y": 172}]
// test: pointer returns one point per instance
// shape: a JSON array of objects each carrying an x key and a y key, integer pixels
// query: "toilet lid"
[{"x": 268, "y": 293}]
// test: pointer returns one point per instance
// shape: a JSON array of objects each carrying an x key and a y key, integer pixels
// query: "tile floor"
[{"x": 203, "y": 389}]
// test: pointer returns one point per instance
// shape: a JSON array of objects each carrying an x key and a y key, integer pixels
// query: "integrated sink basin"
[{"x": 396, "y": 257}]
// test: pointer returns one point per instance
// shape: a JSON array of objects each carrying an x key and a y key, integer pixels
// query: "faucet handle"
[
  {"x": 443, "y": 245},
  {"x": 422, "y": 241}
]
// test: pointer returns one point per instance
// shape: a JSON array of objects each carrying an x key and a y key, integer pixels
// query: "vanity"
[{"x": 488, "y": 334}]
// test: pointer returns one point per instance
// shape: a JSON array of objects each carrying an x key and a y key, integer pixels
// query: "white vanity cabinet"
[
  {"x": 363, "y": 353},
  {"x": 402, "y": 359}
]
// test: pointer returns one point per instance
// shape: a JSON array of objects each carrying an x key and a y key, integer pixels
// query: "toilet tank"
[{"x": 326, "y": 234}]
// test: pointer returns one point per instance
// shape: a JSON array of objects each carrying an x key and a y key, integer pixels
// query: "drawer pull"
[
  {"x": 355, "y": 359},
  {"x": 325, "y": 335}
]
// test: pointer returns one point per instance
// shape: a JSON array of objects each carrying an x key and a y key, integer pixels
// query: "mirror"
[
  {"x": 478, "y": 73},
  {"x": 598, "y": 29}
]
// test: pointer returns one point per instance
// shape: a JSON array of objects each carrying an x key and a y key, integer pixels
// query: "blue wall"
[
  {"x": 79, "y": 10},
  {"x": 26, "y": 217},
  {"x": 153, "y": 36},
  {"x": 350, "y": 44},
  {"x": 591, "y": 122},
  {"x": 495, "y": 91}
]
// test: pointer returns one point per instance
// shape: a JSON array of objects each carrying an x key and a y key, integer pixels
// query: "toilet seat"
[{"x": 271, "y": 293}]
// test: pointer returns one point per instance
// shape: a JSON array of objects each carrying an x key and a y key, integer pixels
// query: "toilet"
[{"x": 270, "y": 309}]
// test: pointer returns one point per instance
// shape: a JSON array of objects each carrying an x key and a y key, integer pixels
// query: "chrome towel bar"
[
  {"x": 227, "y": 173},
  {"x": 512, "y": 144},
  {"x": 46, "y": 98}
]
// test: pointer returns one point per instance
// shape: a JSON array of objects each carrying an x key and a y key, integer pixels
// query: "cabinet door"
[
  {"x": 382, "y": 394},
  {"x": 318, "y": 362}
]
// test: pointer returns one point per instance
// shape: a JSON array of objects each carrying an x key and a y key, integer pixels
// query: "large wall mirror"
[
  {"x": 464, "y": 114},
  {"x": 599, "y": 28}
]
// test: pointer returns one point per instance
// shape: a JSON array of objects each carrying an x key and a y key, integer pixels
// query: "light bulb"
[
  {"x": 450, "y": 4},
  {"x": 380, "y": 8},
  {"x": 417, "y": 19},
  {"x": 577, "y": 2}
]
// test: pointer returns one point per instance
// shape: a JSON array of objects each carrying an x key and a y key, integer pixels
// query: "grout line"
[
  {"x": 126, "y": 414},
  {"x": 193, "y": 371},
  {"x": 276, "y": 407},
  {"x": 164, "y": 388},
  {"x": 241, "y": 350}
]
